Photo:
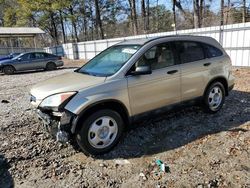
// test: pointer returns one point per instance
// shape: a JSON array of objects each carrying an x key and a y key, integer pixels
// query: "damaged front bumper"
[{"x": 58, "y": 124}]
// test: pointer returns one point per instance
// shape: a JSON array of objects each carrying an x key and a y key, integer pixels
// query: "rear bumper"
[{"x": 59, "y": 63}]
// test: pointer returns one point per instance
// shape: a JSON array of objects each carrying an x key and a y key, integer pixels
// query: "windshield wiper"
[{"x": 88, "y": 73}]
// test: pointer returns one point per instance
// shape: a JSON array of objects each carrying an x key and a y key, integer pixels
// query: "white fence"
[{"x": 234, "y": 38}]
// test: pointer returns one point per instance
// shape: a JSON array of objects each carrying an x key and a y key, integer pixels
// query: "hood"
[
  {"x": 64, "y": 83},
  {"x": 2, "y": 60}
]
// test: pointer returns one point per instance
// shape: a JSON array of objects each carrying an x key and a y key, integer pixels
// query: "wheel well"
[
  {"x": 50, "y": 62},
  {"x": 9, "y": 66},
  {"x": 113, "y": 105},
  {"x": 221, "y": 80}
]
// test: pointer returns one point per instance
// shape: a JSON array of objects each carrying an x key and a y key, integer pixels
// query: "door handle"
[
  {"x": 172, "y": 71},
  {"x": 206, "y": 64}
]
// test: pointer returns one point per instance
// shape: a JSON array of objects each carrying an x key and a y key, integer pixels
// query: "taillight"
[{"x": 60, "y": 57}]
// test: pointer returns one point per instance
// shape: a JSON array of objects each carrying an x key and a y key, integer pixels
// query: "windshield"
[
  {"x": 109, "y": 61},
  {"x": 16, "y": 57}
]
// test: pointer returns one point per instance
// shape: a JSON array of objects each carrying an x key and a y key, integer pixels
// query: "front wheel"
[
  {"x": 100, "y": 132},
  {"x": 9, "y": 70},
  {"x": 214, "y": 97}
]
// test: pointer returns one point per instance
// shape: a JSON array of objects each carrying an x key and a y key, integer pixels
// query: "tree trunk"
[
  {"x": 143, "y": 14},
  {"x": 98, "y": 20},
  {"x": 201, "y": 13},
  {"x": 244, "y": 11},
  {"x": 133, "y": 16},
  {"x": 157, "y": 16},
  {"x": 84, "y": 17},
  {"x": 196, "y": 13},
  {"x": 228, "y": 10},
  {"x": 222, "y": 12},
  {"x": 147, "y": 24},
  {"x": 74, "y": 24},
  {"x": 54, "y": 33},
  {"x": 174, "y": 13},
  {"x": 62, "y": 25},
  {"x": 92, "y": 22},
  {"x": 85, "y": 23}
]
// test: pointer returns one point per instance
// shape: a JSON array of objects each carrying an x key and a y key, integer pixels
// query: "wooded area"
[{"x": 73, "y": 21}]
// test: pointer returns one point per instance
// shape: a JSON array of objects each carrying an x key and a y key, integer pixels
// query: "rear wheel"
[
  {"x": 214, "y": 97},
  {"x": 9, "y": 70},
  {"x": 100, "y": 132},
  {"x": 50, "y": 66}
]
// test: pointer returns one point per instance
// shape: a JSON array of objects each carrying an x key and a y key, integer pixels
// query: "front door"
[
  {"x": 156, "y": 90},
  {"x": 23, "y": 62}
]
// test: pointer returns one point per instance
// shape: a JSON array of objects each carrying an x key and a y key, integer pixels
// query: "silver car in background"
[{"x": 31, "y": 61}]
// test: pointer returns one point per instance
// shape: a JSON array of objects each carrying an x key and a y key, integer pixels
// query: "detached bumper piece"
[{"x": 57, "y": 124}]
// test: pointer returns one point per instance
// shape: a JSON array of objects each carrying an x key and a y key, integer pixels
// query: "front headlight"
[{"x": 56, "y": 100}]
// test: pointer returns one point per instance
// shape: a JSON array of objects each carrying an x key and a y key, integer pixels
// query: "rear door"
[
  {"x": 162, "y": 87},
  {"x": 195, "y": 68},
  {"x": 40, "y": 61}
]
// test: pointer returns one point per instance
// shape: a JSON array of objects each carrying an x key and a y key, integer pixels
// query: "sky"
[{"x": 215, "y": 5}]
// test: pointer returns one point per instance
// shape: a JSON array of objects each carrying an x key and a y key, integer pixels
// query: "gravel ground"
[{"x": 198, "y": 149}]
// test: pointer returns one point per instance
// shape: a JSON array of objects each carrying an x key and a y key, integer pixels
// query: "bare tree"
[
  {"x": 174, "y": 13},
  {"x": 195, "y": 14},
  {"x": 62, "y": 25},
  {"x": 244, "y": 11},
  {"x": 73, "y": 20},
  {"x": 132, "y": 4},
  {"x": 222, "y": 12},
  {"x": 228, "y": 10},
  {"x": 201, "y": 9},
  {"x": 177, "y": 4},
  {"x": 147, "y": 24},
  {"x": 143, "y": 14},
  {"x": 198, "y": 9},
  {"x": 98, "y": 20}
]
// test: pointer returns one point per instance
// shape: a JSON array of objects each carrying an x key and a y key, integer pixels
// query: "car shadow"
[
  {"x": 39, "y": 71},
  {"x": 179, "y": 127},
  {"x": 6, "y": 179}
]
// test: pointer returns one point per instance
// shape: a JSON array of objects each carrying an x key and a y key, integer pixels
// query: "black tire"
[
  {"x": 9, "y": 70},
  {"x": 50, "y": 66},
  {"x": 208, "y": 100},
  {"x": 82, "y": 136}
]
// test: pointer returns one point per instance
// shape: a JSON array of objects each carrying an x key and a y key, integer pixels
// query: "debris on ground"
[{"x": 5, "y": 101}]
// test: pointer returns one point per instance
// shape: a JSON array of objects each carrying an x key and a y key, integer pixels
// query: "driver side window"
[
  {"x": 158, "y": 57},
  {"x": 25, "y": 57}
]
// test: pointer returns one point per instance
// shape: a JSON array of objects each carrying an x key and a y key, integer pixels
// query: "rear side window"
[
  {"x": 50, "y": 56},
  {"x": 39, "y": 55},
  {"x": 212, "y": 51},
  {"x": 190, "y": 51}
]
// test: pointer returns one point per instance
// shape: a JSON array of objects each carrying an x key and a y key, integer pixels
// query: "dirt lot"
[{"x": 200, "y": 150}]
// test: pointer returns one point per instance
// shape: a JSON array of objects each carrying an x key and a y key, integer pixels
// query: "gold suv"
[{"x": 95, "y": 103}]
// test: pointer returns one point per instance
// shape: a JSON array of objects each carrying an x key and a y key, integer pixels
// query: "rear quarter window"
[{"x": 212, "y": 51}]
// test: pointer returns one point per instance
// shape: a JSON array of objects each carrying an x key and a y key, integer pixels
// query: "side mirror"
[
  {"x": 19, "y": 59},
  {"x": 142, "y": 70}
]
